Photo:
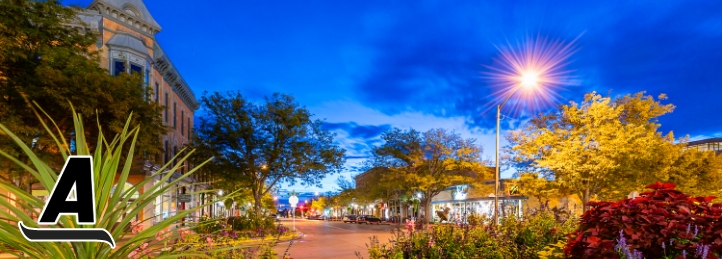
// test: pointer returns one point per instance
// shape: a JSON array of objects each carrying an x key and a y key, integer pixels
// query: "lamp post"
[
  {"x": 529, "y": 80},
  {"x": 538, "y": 66},
  {"x": 293, "y": 200}
]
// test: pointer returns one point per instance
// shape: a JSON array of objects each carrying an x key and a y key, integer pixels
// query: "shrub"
[
  {"x": 553, "y": 251},
  {"x": 251, "y": 222},
  {"x": 207, "y": 225},
  {"x": 662, "y": 223},
  {"x": 513, "y": 238},
  {"x": 475, "y": 219}
]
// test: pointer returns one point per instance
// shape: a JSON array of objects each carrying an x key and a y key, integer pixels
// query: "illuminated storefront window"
[{"x": 127, "y": 191}]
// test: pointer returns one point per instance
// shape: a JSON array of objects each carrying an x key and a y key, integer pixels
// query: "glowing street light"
[
  {"x": 538, "y": 67},
  {"x": 529, "y": 79},
  {"x": 293, "y": 200}
]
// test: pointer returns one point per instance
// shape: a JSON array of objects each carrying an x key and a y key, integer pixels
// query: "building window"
[
  {"x": 174, "y": 116},
  {"x": 183, "y": 123},
  {"x": 135, "y": 69},
  {"x": 166, "y": 110},
  {"x": 189, "y": 128},
  {"x": 118, "y": 67},
  {"x": 156, "y": 91},
  {"x": 165, "y": 153}
]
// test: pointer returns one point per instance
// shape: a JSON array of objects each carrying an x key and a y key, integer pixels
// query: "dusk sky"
[{"x": 368, "y": 66}]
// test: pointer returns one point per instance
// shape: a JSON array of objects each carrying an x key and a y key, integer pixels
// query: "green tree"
[
  {"x": 266, "y": 144},
  {"x": 428, "y": 162},
  {"x": 602, "y": 147},
  {"x": 44, "y": 61}
]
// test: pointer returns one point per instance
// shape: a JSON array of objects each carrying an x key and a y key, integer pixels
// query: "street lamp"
[
  {"x": 538, "y": 67},
  {"x": 527, "y": 81},
  {"x": 293, "y": 200}
]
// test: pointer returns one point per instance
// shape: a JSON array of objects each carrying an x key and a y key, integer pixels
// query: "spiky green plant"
[{"x": 107, "y": 162}]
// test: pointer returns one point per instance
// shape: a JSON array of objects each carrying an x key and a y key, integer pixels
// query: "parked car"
[
  {"x": 315, "y": 217},
  {"x": 275, "y": 217},
  {"x": 349, "y": 218},
  {"x": 368, "y": 219},
  {"x": 332, "y": 218}
]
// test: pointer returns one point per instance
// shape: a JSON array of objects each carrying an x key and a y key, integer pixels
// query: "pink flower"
[
  {"x": 143, "y": 246},
  {"x": 136, "y": 227},
  {"x": 133, "y": 254},
  {"x": 410, "y": 225},
  {"x": 163, "y": 234},
  {"x": 184, "y": 232},
  {"x": 209, "y": 240}
]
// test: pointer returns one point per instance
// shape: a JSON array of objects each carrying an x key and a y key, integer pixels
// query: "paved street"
[{"x": 333, "y": 239}]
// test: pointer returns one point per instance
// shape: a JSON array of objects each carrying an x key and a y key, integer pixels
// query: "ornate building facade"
[{"x": 126, "y": 43}]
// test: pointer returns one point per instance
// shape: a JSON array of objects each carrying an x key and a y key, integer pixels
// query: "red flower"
[
  {"x": 655, "y": 217},
  {"x": 553, "y": 231},
  {"x": 661, "y": 186}
]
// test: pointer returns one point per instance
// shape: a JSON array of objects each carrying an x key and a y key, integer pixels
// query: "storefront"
[
  {"x": 454, "y": 205},
  {"x": 176, "y": 198},
  {"x": 133, "y": 196},
  {"x": 458, "y": 211}
]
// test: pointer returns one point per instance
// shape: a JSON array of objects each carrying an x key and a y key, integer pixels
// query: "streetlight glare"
[
  {"x": 536, "y": 65},
  {"x": 530, "y": 79}
]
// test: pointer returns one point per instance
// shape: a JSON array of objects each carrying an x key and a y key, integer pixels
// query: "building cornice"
[
  {"x": 120, "y": 16},
  {"x": 170, "y": 74}
]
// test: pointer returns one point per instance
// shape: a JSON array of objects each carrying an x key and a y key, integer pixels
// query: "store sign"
[
  {"x": 184, "y": 198},
  {"x": 460, "y": 192}
]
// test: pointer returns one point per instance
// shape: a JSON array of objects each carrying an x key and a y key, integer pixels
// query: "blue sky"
[{"x": 366, "y": 66}]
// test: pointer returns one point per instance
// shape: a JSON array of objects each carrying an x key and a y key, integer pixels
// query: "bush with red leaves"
[{"x": 662, "y": 223}]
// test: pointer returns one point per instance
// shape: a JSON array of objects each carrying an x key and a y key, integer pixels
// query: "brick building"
[{"x": 126, "y": 43}]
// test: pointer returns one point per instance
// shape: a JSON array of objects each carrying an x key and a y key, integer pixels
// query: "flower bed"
[
  {"x": 662, "y": 223},
  {"x": 513, "y": 238},
  {"x": 222, "y": 242}
]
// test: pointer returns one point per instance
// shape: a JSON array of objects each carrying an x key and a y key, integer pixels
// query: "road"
[{"x": 333, "y": 239}]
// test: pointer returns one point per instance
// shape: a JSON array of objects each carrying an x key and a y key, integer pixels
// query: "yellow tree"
[
  {"x": 319, "y": 204},
  {"x": 531, "y": 185},
  {"x": 602, "y": 147},
  {"x": 698, "y": 173}
]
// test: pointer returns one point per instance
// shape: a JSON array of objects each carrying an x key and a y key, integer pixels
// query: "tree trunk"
[
  {"x": 257, "y": 202},
  {"x": 427, "y": 210},
  {"x": 402, "y": 211},
  {"x": 585, "y": 199}
]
